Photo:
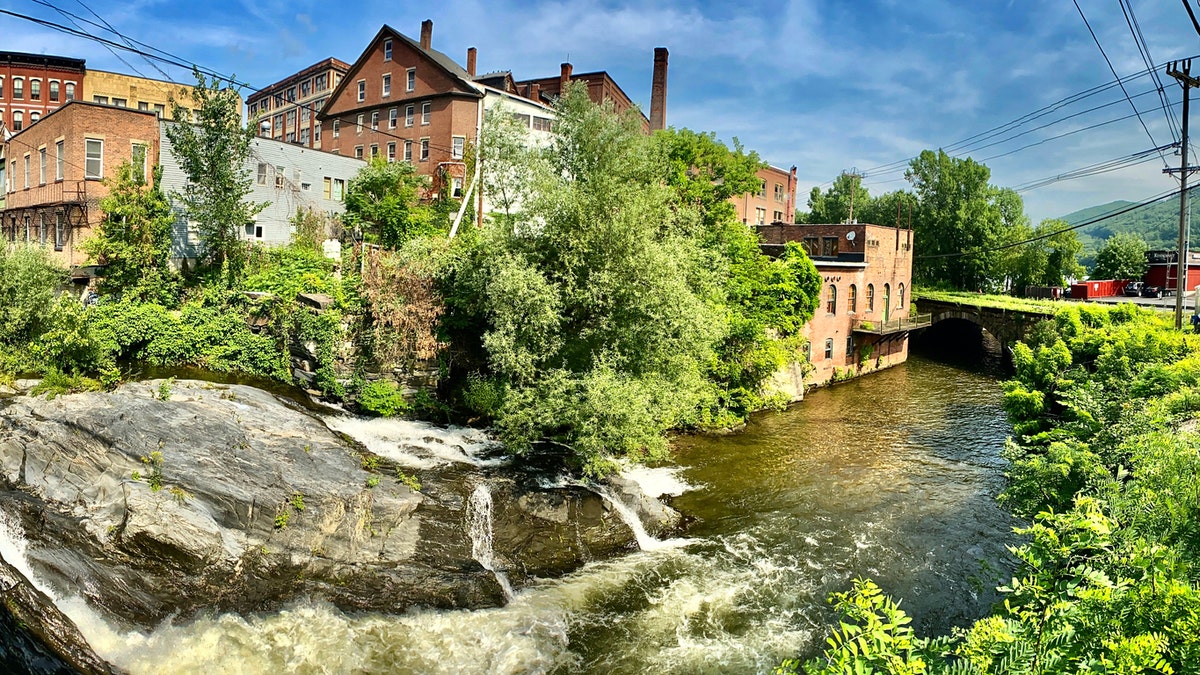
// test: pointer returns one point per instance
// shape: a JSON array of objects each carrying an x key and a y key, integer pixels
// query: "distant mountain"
[{"x": 1157, "y": 223}]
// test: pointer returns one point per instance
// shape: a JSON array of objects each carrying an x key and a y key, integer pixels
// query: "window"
[
  {"x": 34, "y": 116},
  {"x": 458, "y": 143},
  {"x": 1, "y": 87},
  {"x": 426, "y": 109},
  {"x": 291, "y": 94},
  {"x": 26, "y": 171},
  {"x": 54, "y": 90},
  {"x": 521, "y": 119},
  {"x": 779, "y": 192},
  {"x": 262, "y": 173},
  {"x": 808, "y": 351},
  {"x": 335, "y": 128},
  {"x": 59, "y": 160},
  {"x": 18, "y": 120},
  {"x": 258, "y": 231},
  {"x": 870, "y": 297},
  {"x": 387, "y": 85},
  {"x": 291, "y": 119},
  {"x": 391, "y": 156},
  {"x": 359, "y": 124},
  {"x": 375, "y": 120},
  {"x": 42, "y": 165},
  {"x": 59, "y": 229},
  {"x": 457, "y": 188},
  {"x": 137, "y": 158},
  {"x": 828, "y": 349},
  {"x": 408, "y": 115},
  {"x": 304, "y": 136},
  {"x": 321, "y": 83},
  {"x": 762, "y": 188},
  {"x": 777, "y": 217},
  {"x": 305, "y": 114},
  {"x": 408, "y": 151},
  {"x": 852, "y": 299},
  {"x": 760, "y": 215},
  {"x": 159, "y": 110},
  {"x": 849, "y": 346},
  {"x": 305, "y": 88},
  {"x": 18, "y": 87},
  {"x": 327, "y": 188},
  {"x": 3, "y": 178},
  {"x": 291, "y": 137},
  {"x": 900, "y": 302},
  {"x": 812, "y": 246},
  {"x": 374, "y": 150},
  {"x": 424, "y": 149},
  {"x": 339, "y": 189},
  {"x": 94, "y": 163},
  {"x": 119, "y": 102},
  {"x": 362, "y": 90},
  {"x": 27, "y": 228},
  {"x": 387, "y": 50},
  {"x": 280, "y": 176},
  {"x": 392, "y": 114},
  {"x": 541, "y": 124},
  {"x": 887, "y": 299},
  {"x": 412, "y": 79},
  {"x": 829, "y": 247},
  {"x": 144, "y": 106},
  {"x": 831, "y": 300},
  {"x": 71, "y": 92},
  {"x": 358, "y": 152},
  {"x": 317, "y": 133},
  {"x": 42, "y": 228},
  {"x": 35, "y": 90}
]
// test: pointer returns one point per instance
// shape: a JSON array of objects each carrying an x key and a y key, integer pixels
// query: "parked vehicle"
[
  {"x": 1133, "y": 289},
  {"x": 1152, "y": 291}
]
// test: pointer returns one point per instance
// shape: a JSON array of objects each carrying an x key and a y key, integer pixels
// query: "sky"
[{"x": 823, "y": 86}]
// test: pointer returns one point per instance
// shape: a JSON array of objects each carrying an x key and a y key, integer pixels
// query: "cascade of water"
[
  {"x": 479, "y": 528},
  {"x": 645, "y": 540}
]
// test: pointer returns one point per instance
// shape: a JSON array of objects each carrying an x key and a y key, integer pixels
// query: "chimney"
[
  {"x": 658, "y": 91},
  {"x": 426, "y": 34},
  {"x": 471, "y": 61},
  {"x": 535, "y": 92},
  {"x": 564, "y": 79}
]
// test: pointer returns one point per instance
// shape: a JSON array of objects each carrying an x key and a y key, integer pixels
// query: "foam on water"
[
  {"x": 418, "y": 445},
  {"x": 659, "y": 481}
]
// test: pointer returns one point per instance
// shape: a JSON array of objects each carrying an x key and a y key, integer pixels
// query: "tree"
[
  {"x": 893, "y": 209},
  {"x": 1123, "y": 256},
  {"x": 509, "y": 164},
  {"x": 213, "y": 151},
  {"x": 383, "y": 199},
  {"x": 1063, "y": 248},
  {"x": 706, "y": 173},
  {"x": 133, "y": 241},
  {"x": 833, "y": 206}
]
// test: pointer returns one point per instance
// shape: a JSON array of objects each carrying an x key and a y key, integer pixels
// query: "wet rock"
[{"x": 659, "y": 519}]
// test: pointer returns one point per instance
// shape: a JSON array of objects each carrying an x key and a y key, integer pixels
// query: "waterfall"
[
  {"x": 645, "y": 540},
  {"x": 479, "y": 528}
]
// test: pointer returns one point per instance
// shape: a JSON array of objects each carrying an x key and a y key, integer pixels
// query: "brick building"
[
  {"x": 863, "y": 319},
  {"x": 775, "y": 202},
  {"x": 600, "y": 86},
  {"x": 55, "y": 169},
  {"x": 33, "y": 85},
  {"x": 140, "y": 93},
  {"x": 287, "y": 110}
]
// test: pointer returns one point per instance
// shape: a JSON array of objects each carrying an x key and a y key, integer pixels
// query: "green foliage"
[
  {"x": 1123, "y": 256},
  {"x": 382, "y": 397},
  {"x": 155, "y": 462},
  {"x": 164, "y": 389},
  {"x": 29, "y": 282},
  {"x": 56, "y": 383},
  {"x": 310, "y": 229},
  {"x": 212, "y": 152},
  {"x": 297, "y": 501},
  {"x": 408, "y": 480},
  {"x": 382, "y": 200},
  {"x": 133, "y": 241}
]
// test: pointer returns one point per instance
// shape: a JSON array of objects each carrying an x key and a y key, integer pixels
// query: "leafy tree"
[
  {"x": 889, "y": 209},
  {"x": 706, "y": 173},
  {"x": 29, "y": 281},
  {"x": 383, "y": 199},
  {"x": 510, "y": 166},
  {"x": 1123, "y": 256},
  {"x": 213, "y": 151},
  {"x": 833, "y": 205},
  {"x": 133, "y": 241}
]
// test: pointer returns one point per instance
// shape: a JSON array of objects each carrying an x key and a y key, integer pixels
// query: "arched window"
[
  {"x": 831, "y": 303},
  {"x": 828, "y": 348},
  {"x": 852, "y": 299},
  {"x": 900, "y": 303},
  {"x": 870, "y": 297}
]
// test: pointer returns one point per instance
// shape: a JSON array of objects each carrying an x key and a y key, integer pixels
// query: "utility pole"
[
  {"x": 856, "y": 179},
  {"x": 1182, "y": 71}
]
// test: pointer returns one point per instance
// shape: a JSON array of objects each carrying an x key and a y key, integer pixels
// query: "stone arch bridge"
[{"x": 1006, "y": 325}]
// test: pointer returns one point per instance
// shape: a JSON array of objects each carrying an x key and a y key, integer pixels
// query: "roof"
[
  {"x": 69, "y": 105},
  {"x": 331, "y": 62},
  {"x": 61, "y": 62}
]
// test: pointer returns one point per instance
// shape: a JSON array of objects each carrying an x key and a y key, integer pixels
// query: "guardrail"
[{"x": 895, "y": 325}]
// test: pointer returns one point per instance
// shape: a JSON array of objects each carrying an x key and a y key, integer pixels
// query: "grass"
[{"x": 991, "y": 301}]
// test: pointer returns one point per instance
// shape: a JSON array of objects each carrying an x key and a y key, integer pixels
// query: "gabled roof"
[{"x": 447, "y": 64}]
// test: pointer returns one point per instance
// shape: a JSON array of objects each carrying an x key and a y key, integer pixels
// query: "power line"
[
  {"x": 1093, "y": 169},
  {"x": 1139, "y": 39}
]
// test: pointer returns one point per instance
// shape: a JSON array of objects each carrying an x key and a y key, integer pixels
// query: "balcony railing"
[{"x": 895, "y": 325}]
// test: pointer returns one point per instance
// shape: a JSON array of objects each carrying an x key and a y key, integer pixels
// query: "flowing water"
[
  {"x": 479, "y": 529},
  {"x": 891, "y": 477}
]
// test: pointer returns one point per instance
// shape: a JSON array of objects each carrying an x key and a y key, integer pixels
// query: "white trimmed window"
[
  {"x": 391, "y": 156},
  {"x": 60, "y": 159},
  {"x": 387, "y": 85},
  {"x": 426, "y": 110},
  {"x": 70, "y": 91},
  {"x": 94, "y": 164},
  {"x": 424, "y": 149},
  {"x": 408, "y": 151},
  {"x": 387, "y": 50},
  {"x": 359, "y": 124},
  {"x": 408, "y": 115},
  {"x": 375, "y": 120},
  {"x": 42, "y": 165},
  {"x": 362, "y": 90},
  {"x": 458, "y": 143},
  {"x": 411, "y": 83},
  {"x": 392, "y": 118},
  {"x": 336, "y": 124}
]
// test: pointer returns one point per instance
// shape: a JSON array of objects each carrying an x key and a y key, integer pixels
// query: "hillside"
[{"x": 1157, "y": 223}]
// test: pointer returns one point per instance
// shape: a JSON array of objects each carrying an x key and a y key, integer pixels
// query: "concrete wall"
[{"x": 301, "y": 185}]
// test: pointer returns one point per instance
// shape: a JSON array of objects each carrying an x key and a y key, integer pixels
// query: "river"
[{"x": 891, "y": 477}]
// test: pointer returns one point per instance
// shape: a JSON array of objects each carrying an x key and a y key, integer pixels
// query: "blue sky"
[{"x": 824, "y": 86}]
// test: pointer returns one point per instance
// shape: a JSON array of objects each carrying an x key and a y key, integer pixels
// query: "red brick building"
[
  {"x": 33, "y": 85},
  {"x": 863, "y": 320},
  {"x": 56, "y": 166},
  {"x": 1162, "y": 269},
  {"x": 775, "y": 202},
  {"x": 600, "y": 86},
  {"x": 287, "y": 110}
]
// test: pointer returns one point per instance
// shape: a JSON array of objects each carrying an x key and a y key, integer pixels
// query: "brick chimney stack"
[
  {"x": 535, "y": 92},
  {"x": 564, "y": 79},
  {"x": 426, "y": 34},
  {"x": 471, "y": 61},
  {"x": 658, "y": 91}
]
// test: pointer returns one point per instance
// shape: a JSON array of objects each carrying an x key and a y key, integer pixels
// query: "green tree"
[
  {"x": 888, "y": 209},
  {"x": 1123, "y": 256},
  {"x": 382, "y": 199},
  {"x": 1063, "y": 249},
  {"x": 29, "y": 281},
  {"x": 509, "y": 165},
  {"x": 706, "y": 173},
  {"x": 212, "y": 151},
  {"x": 133, "y": 241},
  {"x": 833, "y": 205}
]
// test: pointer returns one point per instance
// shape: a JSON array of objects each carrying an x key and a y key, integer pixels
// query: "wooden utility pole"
[{"x": 1182, "y": 71}]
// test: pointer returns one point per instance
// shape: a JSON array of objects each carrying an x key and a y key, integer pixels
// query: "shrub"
[{"x": 382, "y": 397}]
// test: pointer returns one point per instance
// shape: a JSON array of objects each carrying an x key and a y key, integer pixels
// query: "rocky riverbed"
[{"x": 164, "y": 499}]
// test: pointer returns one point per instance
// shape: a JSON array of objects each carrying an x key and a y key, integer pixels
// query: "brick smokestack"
[
  {"x": 471, "y": 61},
  {"x": 564, "y": 79},
  {"x": 426, "y": 34},
  {"x": 535, "y": 92},
  {"x": 658, "y": 91}
]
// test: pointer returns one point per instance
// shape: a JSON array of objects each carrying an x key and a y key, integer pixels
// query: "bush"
[{"x": 382, "y": 397}]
